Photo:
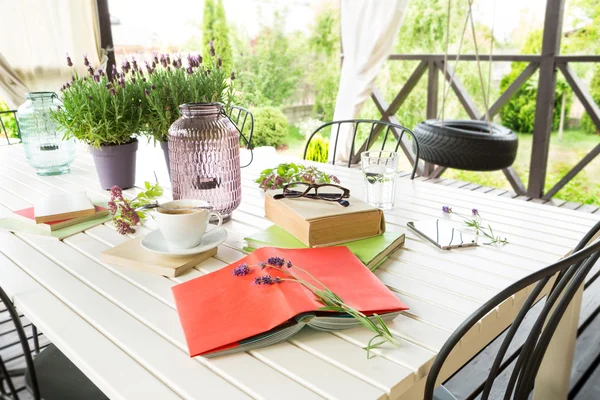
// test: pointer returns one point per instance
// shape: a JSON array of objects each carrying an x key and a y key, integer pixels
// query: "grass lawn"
[{"x": 584, "y": 188}]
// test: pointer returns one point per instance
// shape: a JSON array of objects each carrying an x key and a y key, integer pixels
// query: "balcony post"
[{"x": 544, "y": 104}]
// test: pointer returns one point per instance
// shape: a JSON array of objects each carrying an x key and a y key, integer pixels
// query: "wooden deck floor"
[{"x": 468, "y": 382}]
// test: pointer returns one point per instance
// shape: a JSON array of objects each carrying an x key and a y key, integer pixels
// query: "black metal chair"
[
  {"x": 376, "y": 127},
  {"x": 50, "y": 375},
  {"x": 3, "y": 125},
  {"x": 570, "y": 273}
]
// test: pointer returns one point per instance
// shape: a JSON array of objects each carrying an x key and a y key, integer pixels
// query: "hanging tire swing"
[{"x": 466, "y": 144}]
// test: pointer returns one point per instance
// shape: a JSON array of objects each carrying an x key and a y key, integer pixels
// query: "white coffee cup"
[{"x": 183, "y": 225}]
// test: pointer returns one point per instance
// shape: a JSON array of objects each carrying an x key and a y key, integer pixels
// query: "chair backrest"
[
  {"x": 569, "y": 274},
  {"x": 374, "y": 127},
  {"x": 3, "y": 125},
  {"x": 243, "y": 118},
  {"x": 5, "y": 375}
]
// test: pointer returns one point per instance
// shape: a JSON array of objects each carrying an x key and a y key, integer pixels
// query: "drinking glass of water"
[{"x": 380, "y": 169}]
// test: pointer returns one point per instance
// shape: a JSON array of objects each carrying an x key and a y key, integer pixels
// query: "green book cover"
[
  {"x": 371, "y": 251},
  {"x": 16, "y": 225}
]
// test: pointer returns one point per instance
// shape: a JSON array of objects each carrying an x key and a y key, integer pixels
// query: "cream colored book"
[
  {"x": 323, "y": 223},
  {"x": 60, "y": 207},
  {"x": 132, "y": 254}
]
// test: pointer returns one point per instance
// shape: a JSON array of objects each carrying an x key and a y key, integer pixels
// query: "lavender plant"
[
  {"x": 124, "y": 213},
  {"x": 330, "y": 301},
  {"x": 99, "y": 111},
  {"x": 476, "y": 223},
  {"x": 172, "y": 83}
]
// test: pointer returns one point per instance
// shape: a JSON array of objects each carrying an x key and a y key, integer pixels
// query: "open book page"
[{"x": 218, "y": 310}]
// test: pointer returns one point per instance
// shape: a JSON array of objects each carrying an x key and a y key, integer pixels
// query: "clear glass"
[
  {"x": 204, "y": 156},
  {"x": 45, "y": 149},
  {"x": 380, "y": 169}
]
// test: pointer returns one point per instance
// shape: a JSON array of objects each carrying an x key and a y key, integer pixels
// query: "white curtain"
[
  {"x": 36, "y": 35},
  {"x": 369, "y": 29}
]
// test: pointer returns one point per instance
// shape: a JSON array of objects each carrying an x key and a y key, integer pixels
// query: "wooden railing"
[{"x": 547, "y": 63}]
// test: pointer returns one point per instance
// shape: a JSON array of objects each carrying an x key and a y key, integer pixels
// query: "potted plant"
[
  {"x": 106, "y": 114},
  {"x": 172, "y": 83}
]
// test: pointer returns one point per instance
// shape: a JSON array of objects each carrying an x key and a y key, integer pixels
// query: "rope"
[
  {"x": 462, "y": 36},
  {"x": 446, "y": 59},
  {"x": 487, "y": 110}
]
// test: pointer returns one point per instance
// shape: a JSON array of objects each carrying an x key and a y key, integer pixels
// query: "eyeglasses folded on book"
[{"x": 324, "y": 191}]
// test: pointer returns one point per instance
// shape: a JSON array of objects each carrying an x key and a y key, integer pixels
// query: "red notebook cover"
[{"x": 218, "y": 310}]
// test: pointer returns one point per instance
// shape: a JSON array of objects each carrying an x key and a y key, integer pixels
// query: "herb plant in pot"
[
  {"x": 106, "y": 114},
  {"x": 173, "y": 82}
]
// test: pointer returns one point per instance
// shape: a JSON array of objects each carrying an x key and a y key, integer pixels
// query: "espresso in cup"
[{"x": 184, "y": 228}]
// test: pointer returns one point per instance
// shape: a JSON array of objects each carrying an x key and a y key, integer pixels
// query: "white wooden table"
[{"x": 121, "y": 328}]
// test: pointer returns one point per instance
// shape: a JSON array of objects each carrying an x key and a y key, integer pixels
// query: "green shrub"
[
  {"x": 519, "y": 113},
  {"x": 318, "y": 149},
  {"x": 586, "y": 122},
  {"x": 270, "y": 127}
]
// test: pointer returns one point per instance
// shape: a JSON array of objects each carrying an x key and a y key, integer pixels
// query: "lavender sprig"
[
  {"x": 330, "y": 301},
  {"x": 123, "y": 211},
  {"x": 476, "y": 223}
]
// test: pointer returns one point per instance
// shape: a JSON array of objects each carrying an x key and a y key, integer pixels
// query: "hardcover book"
[
  {"x": 27, "y": 214},
  {"x": 59, "y": 207},
  {"x": 371, "y": 251},
  {"x": 323, "y": 223},
  {"x": 221, "y": 313},
  {"x": 132, "y": 254}
]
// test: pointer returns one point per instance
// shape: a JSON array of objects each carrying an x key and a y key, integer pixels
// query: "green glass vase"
[{"x": 45, "y": 149}]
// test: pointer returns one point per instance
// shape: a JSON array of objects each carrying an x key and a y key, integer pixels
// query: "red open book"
[{"x": 221, "y": 313}]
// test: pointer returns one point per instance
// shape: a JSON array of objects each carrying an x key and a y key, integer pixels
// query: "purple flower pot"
[
  {"x": 165, "y": 148},
  {"x": 115, "y": 164}
]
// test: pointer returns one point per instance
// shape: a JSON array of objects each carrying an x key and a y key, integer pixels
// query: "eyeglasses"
[{"x": 324, "y": 191}]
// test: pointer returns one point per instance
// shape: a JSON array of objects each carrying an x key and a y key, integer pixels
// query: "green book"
[
  {"x": 16, "y": 225},
  {"x": 371, "y": 251}
]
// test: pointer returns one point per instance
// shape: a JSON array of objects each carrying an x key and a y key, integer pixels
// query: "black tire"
[{"x": 466, "y": 144}]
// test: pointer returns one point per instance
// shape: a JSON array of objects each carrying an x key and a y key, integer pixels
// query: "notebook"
[
  {"x": 19, "y": 226},
  {"x": 62, "y": 206},
  {"x": 221, "y": 313},
  {"x": 371, "y": 251},
  {"x": 324, "y": 223}
]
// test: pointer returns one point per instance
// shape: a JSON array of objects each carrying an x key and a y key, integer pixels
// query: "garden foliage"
[
  {"x": 318, "y": 149},
  {"x": 519, "y": 113},
  {"x": 586, "y": 122},
  {"x": 270, "y": 127},
  {"x": 215, "y": 29}
]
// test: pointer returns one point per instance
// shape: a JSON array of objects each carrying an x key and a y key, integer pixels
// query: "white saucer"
[{"x": 156, "y": 243}]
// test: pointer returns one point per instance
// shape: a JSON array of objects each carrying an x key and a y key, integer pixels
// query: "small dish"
[{"x": 156, "y": 243}]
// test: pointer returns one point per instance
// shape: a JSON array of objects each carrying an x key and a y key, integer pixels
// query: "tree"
[
  {"x": 324, "y": 72},
  {"x": 214, "y": 28},
  {"x": 269, "y": 66}
]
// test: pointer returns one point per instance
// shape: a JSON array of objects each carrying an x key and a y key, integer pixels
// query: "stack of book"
[
  {"x": 302, "y": 223},
  {"x": 58, "y": 216}
]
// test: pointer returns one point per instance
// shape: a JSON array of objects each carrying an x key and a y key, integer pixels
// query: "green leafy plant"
[
  {"x": 276, "y": 178},
  {"x": 330, "y": 300},
  {"x": 170, "y": 84},
  {"x": 270, "y": 127},
  {"x": 124, "y": 213},
  {"x": 99, "y": 111},
  {"x": 318, "y": 149}
]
